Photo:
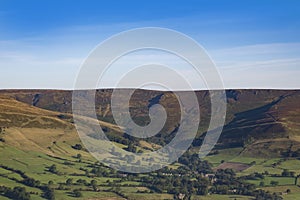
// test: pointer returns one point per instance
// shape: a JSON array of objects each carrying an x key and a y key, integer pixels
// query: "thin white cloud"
[
  {"x": 52, "y": 63},
  {"x": 259, "y": 52},
  {"x": 274, "y": 65},
  {"x": 260, "y": 49}
]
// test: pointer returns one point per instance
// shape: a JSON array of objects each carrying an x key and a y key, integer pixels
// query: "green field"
[
  {"x": 222, "y": 197},
  {"x": 36, "y": 165}
]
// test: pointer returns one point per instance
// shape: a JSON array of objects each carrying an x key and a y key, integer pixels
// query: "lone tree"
[
  {"x": 262, "y": 184},
  {"x": 94, "y": 185},
  {"x": 79, "y": 156},
  {"x": 274, "y": 183},
  {"x": 69, "y": 181},
  {"x": 296, "y": 179},
  {"x": 53, "y": 169},
  {"x": 77, "y": 193},
  {"x": 77, "y": 147}
]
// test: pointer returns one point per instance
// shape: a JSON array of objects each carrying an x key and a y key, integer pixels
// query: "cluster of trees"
[
  {"x": 48, "y": 193},
  {"x": 131, "y": 147},
  {"x": 176, "y": 184},
  {"x": 296, "y": 153},
  {"x": 195, "y": 164},
  {"x": 20, "y": 193},
  {"x": 119, "y": 192},
  {"x": 254, "y": 176},
  {"x": 228, "y": 183},
  {"x": 187, "y": 179},
  {"x": 287, "y": 173},
  {"x": 31, "y": 182},
  {"x": 291, "y": 153},
  {"x": 263, "y": 195},
  {"x": 15, "y": 193},
  {"x": 100, "y": 171},
  {"x": 70, "y": 182},
  {"x": 118, "y": 138}
]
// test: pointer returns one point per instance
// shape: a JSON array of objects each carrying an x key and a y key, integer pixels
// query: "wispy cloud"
[
  {"x": 275, "y": 65},
  {"x": 53, "y": 61},
  {"x": 270, "y": 50},
  {"x": 277, "y": 55}
]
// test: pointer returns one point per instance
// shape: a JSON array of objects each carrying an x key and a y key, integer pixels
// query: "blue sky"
[{"x": 255, "y": 44}]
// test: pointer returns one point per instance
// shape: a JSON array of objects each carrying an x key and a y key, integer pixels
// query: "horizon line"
[{"x": 146, "y": 89}]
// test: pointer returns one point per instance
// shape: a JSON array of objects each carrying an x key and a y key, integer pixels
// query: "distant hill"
[{"x": 263, "y": 122}]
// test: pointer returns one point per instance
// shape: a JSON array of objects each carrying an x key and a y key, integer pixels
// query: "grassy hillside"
[{"x": 37, "y": 131}]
